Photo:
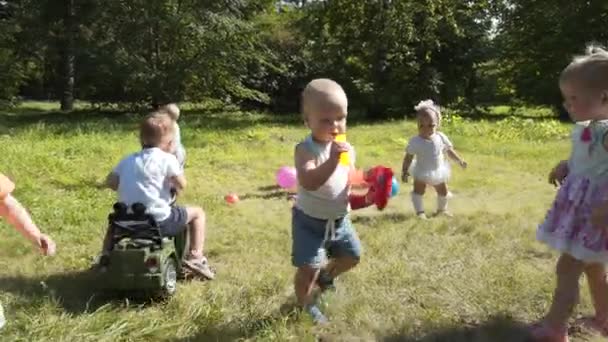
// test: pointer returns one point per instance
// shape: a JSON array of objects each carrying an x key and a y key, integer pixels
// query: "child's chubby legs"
[
  {"x": 417, "y": 197},
  {"x": 442, "y": 198},
  {"x": 418, "y": 194},
  {"x": 195, "y": 220},
  {"x": 2, "y": 319},
  {"x": 308, "y": 235},
  {"x": 598, "y": 287},
  {"x": 554, "y": 325}
]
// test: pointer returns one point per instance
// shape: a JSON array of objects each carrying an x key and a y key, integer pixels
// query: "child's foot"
[
  {"x": 325, "y": 282},
  {"x": 540, "y": 332},
  {"x": 595, "y": 325},
  {"x": 421, "y": 215},
  {"x": 101, "y": 263},
  {"x": 315, "y": 313},
  {"x": 200, "y": 267},
  {"x": 444, "y": 213}
]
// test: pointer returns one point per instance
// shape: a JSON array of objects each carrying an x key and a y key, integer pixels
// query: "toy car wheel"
[{"x": 169, "y": 277}]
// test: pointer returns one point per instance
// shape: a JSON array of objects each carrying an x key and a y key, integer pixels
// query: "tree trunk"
[
  {"x": 67, "y": 57},
  {"x": 378, "y": 107}
]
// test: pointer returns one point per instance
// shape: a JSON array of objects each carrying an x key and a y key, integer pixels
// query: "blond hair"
[
  {"x": 427, "y": 107},
  {"x": 155, "y": 129},
  {"x": 323, "y": 94},
  {"x": 590, "y": 69},
  {"x": 171, "y": 109}
]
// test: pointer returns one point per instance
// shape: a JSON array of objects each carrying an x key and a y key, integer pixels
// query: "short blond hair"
[
  {"x": 171, "y": 109},
  {"x": 323, "y": 94},
  {"x": 590, "y": 69},
  {"x": 156, "y": 128},
  {"x": 428, "y": 108}
]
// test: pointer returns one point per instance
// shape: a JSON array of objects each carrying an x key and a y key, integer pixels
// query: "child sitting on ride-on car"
[{"x": 148, "y": 177}]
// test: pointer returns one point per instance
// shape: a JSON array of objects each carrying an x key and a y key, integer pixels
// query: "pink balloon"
[{"x": 286, "y": 177}]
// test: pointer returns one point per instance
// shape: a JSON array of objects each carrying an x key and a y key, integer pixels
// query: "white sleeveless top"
[
  {"x": 589, "y": 158},
  {"x": 330, "y": 201}
]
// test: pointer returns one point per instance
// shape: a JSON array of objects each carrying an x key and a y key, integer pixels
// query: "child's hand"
[
  {"x": 370, "y": 196},
  {"x": 338, "y": 148},
  {"x": 463, "y": 164},
  {"x": 46, "y": 245},
  {"x": 404, "y": 176},
  {"x": 558, "y": 173}
]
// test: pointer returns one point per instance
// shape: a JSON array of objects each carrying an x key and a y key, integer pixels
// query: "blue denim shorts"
[
  {"x": 308, "y": 233},
  {"x": 175, "y": 223}
]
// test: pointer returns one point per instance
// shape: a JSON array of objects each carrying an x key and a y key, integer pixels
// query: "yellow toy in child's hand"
[
  {"x": 6, "y": 186},
  {"x": 344, "y": 156}
]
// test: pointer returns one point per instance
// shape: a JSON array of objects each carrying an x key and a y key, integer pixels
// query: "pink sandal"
[
  {"x": 595, "y": 325},
  {"x": 540, "y": 332}
]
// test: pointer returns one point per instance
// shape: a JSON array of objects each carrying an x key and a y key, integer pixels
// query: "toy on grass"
[
  {"x": 141, "y": 261},
  {"x": 286, "y": 177},
  {"x": 379, "y": 182},
  {"x": 394, "y": 187},
  {"x": 231, "y": 198}
]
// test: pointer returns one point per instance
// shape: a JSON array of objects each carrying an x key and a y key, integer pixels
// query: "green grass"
[
  {"x": 476, "y": 277},
  {"x": 530, "y": 112}
]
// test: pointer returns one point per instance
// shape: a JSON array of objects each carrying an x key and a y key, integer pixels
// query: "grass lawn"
[{"x": 476, "y": 277}]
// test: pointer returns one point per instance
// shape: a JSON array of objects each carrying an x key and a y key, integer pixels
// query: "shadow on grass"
[
  {"x": 65, "y": 122},
  {"x": 380, "y": 218},
  {"x": 76, "y": 292},
  {"x": 286, "y": 314},
  {"x": 80, "y": 185},
  {"x": 496, "y": 329},
  {"x": 98, "y": 121},
  {"x": 268, "y": 192},
  {"x": 266, "y": 196}
]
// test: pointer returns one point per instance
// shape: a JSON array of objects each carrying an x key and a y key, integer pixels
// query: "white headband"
[{"x": 428, "y": 104}]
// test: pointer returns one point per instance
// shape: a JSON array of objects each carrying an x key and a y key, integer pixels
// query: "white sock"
[
  {"x": 418, "y": 204},
  {"x": 442, "y": 203}
]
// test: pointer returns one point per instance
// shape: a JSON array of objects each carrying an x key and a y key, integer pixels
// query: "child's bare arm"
[
  {"x": 310, "y": 176},
  {"x": 407, "y": 161},
  {"x": 455, "y": 157},
  {"x": 558, "y": 173},
  {"x": 112, "y": 181},
  {"x": 179, "y": 183},
  {"x": 19, "y": 218}
]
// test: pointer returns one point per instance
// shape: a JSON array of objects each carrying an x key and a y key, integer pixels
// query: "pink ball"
[{"x": 286, "y": 177}]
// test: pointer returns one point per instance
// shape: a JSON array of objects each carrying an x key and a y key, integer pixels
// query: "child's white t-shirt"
[
  {"x": 179, "y": 151},
  {"x": 144, "y": 177},
  {"x": 429, "y": 152},
  {"x": 177, "y": 139}
]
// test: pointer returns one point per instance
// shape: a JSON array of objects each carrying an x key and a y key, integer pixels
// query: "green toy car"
[{"x": 141, "y": 261}]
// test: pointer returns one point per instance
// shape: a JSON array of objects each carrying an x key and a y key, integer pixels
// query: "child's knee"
[
  {"x": 568, "y": 266},
  {"x": 195, "y": 213},
  {"x": 442, "y": 189},
  {"x": 3, "y": 208},
  {"x": 305, "y": 274},
  {"x": 419, "y": 188}
]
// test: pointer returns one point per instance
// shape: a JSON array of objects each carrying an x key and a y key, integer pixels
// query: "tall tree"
[
  {"x": 539, "y": 38},
  {"x": 67, "y": 56}
]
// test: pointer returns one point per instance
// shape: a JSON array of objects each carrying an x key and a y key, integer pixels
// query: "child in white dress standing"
[{"x": 430, "y": 166}]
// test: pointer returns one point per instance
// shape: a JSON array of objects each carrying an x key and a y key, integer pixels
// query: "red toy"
[
  {"x": 231, "y": 198},
  {"x": 378, "y": 180}
]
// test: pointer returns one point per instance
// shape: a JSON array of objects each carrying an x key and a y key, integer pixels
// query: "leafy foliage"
[{"x": 388, "y": 54}]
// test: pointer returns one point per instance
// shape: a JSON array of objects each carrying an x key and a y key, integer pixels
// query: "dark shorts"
[
  {"x": 308, "y": 234},
  {"x": 175, "y": 223}
]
